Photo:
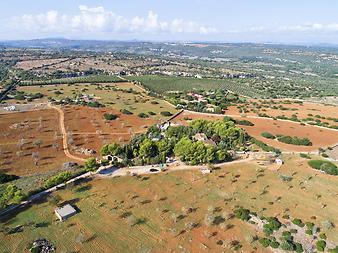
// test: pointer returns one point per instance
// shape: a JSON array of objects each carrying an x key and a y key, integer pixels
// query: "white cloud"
[{"x": 99, "y": 20}]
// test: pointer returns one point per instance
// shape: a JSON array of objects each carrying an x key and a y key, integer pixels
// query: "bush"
[
  {"x": 326, "y": 166},
  {"x": 125, "y": 111},
  {"x": 274, "y": 244},
  {"x": 264, "y": 146},
  {"x": 309, "y": 232},
  {"x": 268, "y": 135},
  {"x": 306, "y": 156},
  {"x": 143, "y": 115},
  {"x": 321, "y": 245},
  {"x": 295, "y": 140},
  {"x": 265, "y": 242},
  {"x": 243, "y": 214},
  {"x": 288, "y": 246},
  {"x": 152, "y": 113},
  {"x": 322, "y": 236},
  {"x": 58, "y": 179},
  {"x": 244, "y": 122},
  {"x": 298, "y": 222},
  {"x": 299, "y": 247},
  {"x": 166, "y": 114},
  {"x": 108, "y": 116}
]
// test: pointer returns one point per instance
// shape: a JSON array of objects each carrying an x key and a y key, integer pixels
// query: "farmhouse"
[
  {"x": 65, "y": 212},
  {"x": 203, "y": 138}
]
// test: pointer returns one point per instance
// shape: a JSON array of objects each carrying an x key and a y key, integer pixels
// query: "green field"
[{"x": 251, "y": 87}]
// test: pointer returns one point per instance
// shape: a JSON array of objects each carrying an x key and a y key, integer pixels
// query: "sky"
[{"x": 275, "y": 21}]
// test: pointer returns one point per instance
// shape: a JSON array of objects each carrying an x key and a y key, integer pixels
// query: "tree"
[
  {"x": 36, "y": 157},
  {"x": 37, "y": 143},
  {"x": 148, "y": 149},
  {"x": 91, "y": 164},
  {"x": 12, "y": 195}
]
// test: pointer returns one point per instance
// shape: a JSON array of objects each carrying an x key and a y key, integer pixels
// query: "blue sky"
[{"x": 286, "y": 21}]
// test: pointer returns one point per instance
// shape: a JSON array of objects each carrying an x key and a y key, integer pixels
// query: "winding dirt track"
[{"x": 64, "y": 135}]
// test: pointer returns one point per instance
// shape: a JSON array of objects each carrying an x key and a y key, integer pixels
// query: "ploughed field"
[
  {"x": 31, "y": 142},
  {"x": 306, "y": 110},
  {"x": 178, "y": 211},
  {"x": 87, "y": 128}
]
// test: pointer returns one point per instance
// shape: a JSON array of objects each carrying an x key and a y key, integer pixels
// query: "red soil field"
[
  {"x": 302, "y": 111},
  {"x": 19, "y": 131},
  {"x": 320, "y": 137},
  {"x": 89, "y": 129}
]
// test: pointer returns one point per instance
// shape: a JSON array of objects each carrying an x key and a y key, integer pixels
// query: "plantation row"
[{"x": 73, "y": 80}]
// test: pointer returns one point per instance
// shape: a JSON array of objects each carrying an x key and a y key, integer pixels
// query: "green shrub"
[
  {"x": 265, "y": 242},
  {"x": 298, "y": 222},
  {"x": 243, "y": 214},
  {"x": 321, "y": 245},
  {"x": 268, "y": 135},
  {"x": 309, "y": 232},
  {"x": 294, "y": 140},
  {"x": 244, "y": 122},
  {"x": 152, "y": 113},
  {"x": 306, "y": 156},
  {"x": 58, "y": 179},
  {"x": 274, "y": 244},
  {"x": 326, "y": 166},
  {"x": 322, "y": 236},
  {"x": 108, "y": 116},
  {"x": 125, "y": 111},
  {"x": 299, "y": 247},
  {"x": 143, "y": 115},
  {"x": 166, "y": 114},
  {"x": 288, "y": 246}
]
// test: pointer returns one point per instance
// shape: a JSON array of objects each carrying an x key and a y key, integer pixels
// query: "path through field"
[{"x": 64, "y": 135}]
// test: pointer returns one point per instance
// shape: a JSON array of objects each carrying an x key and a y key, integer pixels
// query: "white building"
[{"x": 65, "y": 212}]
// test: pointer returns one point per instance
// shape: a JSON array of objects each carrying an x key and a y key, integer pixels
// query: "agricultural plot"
[
  {"x": 320, "y": 137},
  {"x": 114, "y": 95},
  {"x": 180, "y": 210},
  {"x": 37, "y": 63},
  {"x": 162, "y": 84},
  {"x": 31, "y": 142},
  {"x": 87, "y": 128},
  {"x": 313, "y": 113}
]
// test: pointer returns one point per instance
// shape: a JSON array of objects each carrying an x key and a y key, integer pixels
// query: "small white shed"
[{"x": 65, "y": 212}]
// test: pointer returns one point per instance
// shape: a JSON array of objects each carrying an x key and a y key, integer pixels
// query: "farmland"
[
  {"x": 115, "y": 95},
  {"x": 26, "y": 133},
  {"x": 180, "y": 147},
  {"x": 155, "y": 213},
  {"x": 320, "y": 137}
]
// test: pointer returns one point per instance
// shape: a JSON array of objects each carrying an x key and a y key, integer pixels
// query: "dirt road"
[{"x": 64, "y": 135}]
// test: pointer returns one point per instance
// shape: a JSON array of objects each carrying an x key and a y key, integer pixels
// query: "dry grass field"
[
  {"x": 170, "y": 212},
  {"x": 115, "y": 95}
]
